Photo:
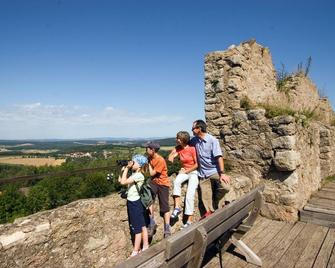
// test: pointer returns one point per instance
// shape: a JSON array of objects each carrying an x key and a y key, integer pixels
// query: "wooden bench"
[{"x": 187, "y": 247}]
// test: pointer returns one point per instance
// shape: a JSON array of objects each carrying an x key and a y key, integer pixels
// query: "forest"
[{"x": 23, "y": 198}]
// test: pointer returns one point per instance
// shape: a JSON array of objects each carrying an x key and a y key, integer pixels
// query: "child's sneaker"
[
  {"x": 185, "y": 225},
  {"x": 134, "y": 253}
]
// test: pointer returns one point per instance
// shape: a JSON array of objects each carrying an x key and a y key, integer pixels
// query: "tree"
[{"x": 12, "y": 204}]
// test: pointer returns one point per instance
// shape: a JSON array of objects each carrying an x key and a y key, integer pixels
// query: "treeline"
[{"x": 22, "y": 199}]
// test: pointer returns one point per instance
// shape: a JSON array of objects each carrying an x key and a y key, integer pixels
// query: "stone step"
[
  {"x": 325, "y": 194},
  {"x": 318, "y": 217},
  {"x": 330, "y": 184}
]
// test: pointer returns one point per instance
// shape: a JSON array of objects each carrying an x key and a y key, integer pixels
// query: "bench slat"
[
  {"x": 229, "y": 223},
  {"x": 184, "y": 238}
]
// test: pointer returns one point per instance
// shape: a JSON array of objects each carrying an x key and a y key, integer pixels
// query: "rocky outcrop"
[
  {"x": 290, "y": 153},
  {"x": 85, "y": 233}
]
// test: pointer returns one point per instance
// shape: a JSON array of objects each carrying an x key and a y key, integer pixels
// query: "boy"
[{"x": 159, "y": 184}]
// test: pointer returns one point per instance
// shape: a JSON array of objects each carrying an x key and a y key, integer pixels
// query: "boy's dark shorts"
[
  {"x": 162, "y": 192},
  {"x": 137, "y": 216}
]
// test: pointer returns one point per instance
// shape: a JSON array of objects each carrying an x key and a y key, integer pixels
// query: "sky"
[{"x": 74, "y": 69}]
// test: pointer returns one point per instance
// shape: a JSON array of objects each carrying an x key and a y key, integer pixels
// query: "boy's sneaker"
[
  {"x": 175, "y": 213},
  {"x": 152, "y": 229},
  {"x": 167, "y": 231}
]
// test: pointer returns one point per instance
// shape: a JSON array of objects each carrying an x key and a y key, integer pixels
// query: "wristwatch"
[{"x": 220, "y": 172}]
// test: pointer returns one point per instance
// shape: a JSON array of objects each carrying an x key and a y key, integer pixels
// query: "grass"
[
  {"x": 215, "y": 83},
  {"x": 271, "y": 111},
  {"x": 330, "y": 178},
  {"x": 283, "y": 77},
  {"x": 246, "y": 103},
  {"x": 332, "y": 123}
]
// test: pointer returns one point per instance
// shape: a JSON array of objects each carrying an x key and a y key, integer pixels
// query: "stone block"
[
  {"x": 324, "y": 142},
  {"x": 257, "y": 114},
  {"x": 284, "y": 142},
  {"x": 212, "y": 115},
  {"x": 324, "y": 133},
  {"x": 225, "y": 131},
  {"x": 291, "y": 180},
  {"x": 234, "y": 60},
  {"x": 279, "y": 212},
  {"x": 234, "y": 104},
  {"x": 326, "y": 156},
  {"x": 236, "y": 71},
  {"x": 224, "y": 111},
  {"x": 240, "y": 116},
  {"x": 285, "y": 130},
  {"x": 288, "y": 199},
  {"x": 287, "y": 160},
  {"x": 283, "y": 119},
  {"x": 222, "y": 121},
  {"x": 211, "y": 101},
  {"x": 325, "y": 149},
  {"x": 234, "y": 84},
  {"x": 210, "y": 107}
]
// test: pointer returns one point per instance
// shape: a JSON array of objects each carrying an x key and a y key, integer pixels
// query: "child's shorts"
[{"x": 137, "y": 216}]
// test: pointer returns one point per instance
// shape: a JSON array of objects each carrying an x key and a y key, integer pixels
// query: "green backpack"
[{"x": 145, "y": 194}]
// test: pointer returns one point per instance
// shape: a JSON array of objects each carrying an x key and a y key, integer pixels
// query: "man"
[
  {"x": 160, "y": 185},
  {"x": 213, "y": 183}
]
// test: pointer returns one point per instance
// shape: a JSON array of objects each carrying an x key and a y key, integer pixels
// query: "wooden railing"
[{"x": 187, "y": 247}]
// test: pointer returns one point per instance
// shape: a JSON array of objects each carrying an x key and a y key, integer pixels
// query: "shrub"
[
  {"x": 246, "y": 103},
  {"x": 273, "y": 111},
  {"x": 282, "y": 78},
  {"x": 38, "y": 199}
]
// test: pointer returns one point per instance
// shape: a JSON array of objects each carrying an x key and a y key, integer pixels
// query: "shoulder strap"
[{"x": 138, "y": 190}]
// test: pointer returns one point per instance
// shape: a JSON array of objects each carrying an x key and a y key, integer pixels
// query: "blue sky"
[{"x": 80, "y": 69}]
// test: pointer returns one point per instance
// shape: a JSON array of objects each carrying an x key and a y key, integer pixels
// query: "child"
[
  {"x": 137, "y": 214},
  {"x": 159, "y": 184},
  {"x": 188, "y": 172}
]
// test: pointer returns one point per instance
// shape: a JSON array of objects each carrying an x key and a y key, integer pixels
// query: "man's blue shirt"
[{"x": 207, "y": 151}]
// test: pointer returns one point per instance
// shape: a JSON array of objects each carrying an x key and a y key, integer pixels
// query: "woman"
[{"x": 188, "y": 172}]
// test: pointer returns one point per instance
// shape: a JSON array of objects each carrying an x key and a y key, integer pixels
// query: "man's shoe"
[
  {"x": 206, "y": 214},
  {"x": 185, "y": 225}
]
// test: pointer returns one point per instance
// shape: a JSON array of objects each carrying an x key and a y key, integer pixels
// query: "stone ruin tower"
[{"x": 290, "y": 153}]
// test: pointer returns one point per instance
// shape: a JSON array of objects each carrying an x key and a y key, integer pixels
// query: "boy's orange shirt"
[{"x": 158, "y": 163}]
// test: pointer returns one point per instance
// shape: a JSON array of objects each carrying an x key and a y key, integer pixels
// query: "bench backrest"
[{"x": 189, "y": 245}]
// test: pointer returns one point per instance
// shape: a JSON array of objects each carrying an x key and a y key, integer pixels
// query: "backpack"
[{"x": 145, "y": 194}]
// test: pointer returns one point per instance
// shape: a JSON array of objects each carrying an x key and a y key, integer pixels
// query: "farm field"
[{"x": 37, "y": 162}]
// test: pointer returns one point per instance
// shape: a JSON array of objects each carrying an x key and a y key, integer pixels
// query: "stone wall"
[{"x": 290, "y": 154}]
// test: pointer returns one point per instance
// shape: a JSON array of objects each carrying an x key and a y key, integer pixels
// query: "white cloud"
[{"x": 37, "y": 120}]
